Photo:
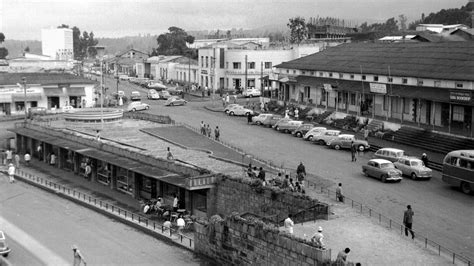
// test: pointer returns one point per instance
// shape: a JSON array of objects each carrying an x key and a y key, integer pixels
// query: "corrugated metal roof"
[
  {"x": 449, "y": 60},
  {"x": 42, "y": 78}
]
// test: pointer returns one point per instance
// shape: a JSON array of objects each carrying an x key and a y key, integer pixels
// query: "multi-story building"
[
  {"x": 227, "y": 65},
  {"x": 57, "y": 43},
  {"x": 126, "y": 62},
  {"x": 428, "y": 84}
]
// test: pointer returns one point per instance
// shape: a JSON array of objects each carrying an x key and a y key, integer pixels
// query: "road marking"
[{"x": 44, "y": 254}]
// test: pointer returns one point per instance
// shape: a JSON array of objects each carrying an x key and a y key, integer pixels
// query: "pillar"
[
  {"x": 188, "y": 199},
  {"x": 135, "y": 183},
  {"x": 59, "y": 158}
]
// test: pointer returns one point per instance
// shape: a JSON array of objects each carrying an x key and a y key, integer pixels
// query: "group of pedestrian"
[{"x": 207, "y": 131}]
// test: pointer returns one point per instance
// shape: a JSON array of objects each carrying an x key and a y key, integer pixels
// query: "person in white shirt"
[
  {"x": 27, "y": 158},
  {"x": 180, "y": 223},
  {"x": 318, "y": 238},
  {"x": 11, "y": 172},
  {"x": 289, "y": 224},
  {"x": 175, "y": 203}
]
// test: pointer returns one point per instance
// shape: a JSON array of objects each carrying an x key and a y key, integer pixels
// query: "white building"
[
  {"x": 440, "y": 28},
  {"x": 228, "y": 65},
  {"x": 57, "y": 43}
]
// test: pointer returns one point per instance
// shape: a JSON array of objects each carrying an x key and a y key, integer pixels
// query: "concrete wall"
[{"x": 239, "y": 241}]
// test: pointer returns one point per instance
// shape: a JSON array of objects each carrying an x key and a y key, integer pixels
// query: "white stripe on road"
[{"x": 41, "y": 252}]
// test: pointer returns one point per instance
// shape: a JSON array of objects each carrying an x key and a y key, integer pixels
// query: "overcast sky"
[{"x": 24, "y": 19}]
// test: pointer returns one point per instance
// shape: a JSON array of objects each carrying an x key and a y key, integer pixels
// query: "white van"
[{"x": 251, "y": 92}]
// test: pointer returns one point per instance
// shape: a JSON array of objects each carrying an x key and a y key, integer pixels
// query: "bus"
[{"x": 458, "y": 170}]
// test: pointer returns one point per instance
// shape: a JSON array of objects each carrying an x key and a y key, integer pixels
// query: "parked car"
[
  {"x": 68, "y": 109},
  {"x": 37, "y": 110},
  {"x": 175, "y": 100},
  {"x": 414, "y": 168},
  {"x": 260, "y": 118},
  {"x": 175, "y": 91},
  {"x": 164, "y": 94},
  {"x": 313, "y": 132},
  {"x": 345, "y": 141},
  {"x": 4, "y": 249},
  {"x": 287, "y": 125},
  {"x": 390, "y": 154},
  {"x": 229, "y": 106},
  {"x": 251, "y": 92},
  {"x": 270, "y": 121},
  {"x": 326, "y": 136},
  {"x": 124, "y": 77},
  {"x": 137, "y": 106},
  {"x": 121, "y": 93},
  {"x": 382, "y": 169},
  {"x": 153, "y": 95},
  {"x": 156, "y": 85},
  {"x": 302, "y": 130},
  {"x": 135, "y": 96},
  {"x": 239, "y": 110}
]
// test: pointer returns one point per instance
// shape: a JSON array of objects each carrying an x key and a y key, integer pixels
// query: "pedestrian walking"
[
  {"x": 78, "y": 257},
  {"x": 39, "y": 150},
  {"x": 17, "y": 160},
  {"x": 227, "y": 98},
  {"x": 249, "y": 118},
  {"x": 11, "y": 173},
  {"x": 289, "y": 224},
  {"x": 342, "y": 256},
  {"x": 223, "y": 102},
  {"x": 52, "y": 159},
  {"x": 287, "y": 113},
  {"x": 318, "y": 238},
  {"x": 353, "y": 152},
  {"x": 339, "y": 195},
  {"x": 97, "y": 135},
  {"x": 366, "y": 133},
  {"x": 217, "y": 133},
  {"x": 301, "y": 173},
  {"x": 9, "y": 155},
  {"x": 297, "y": 112},
  {"x": 408, "y": 221},
  {"x": 424, "y": 159},
  {"x": 261, "y": 174},
  {"x": 208, "y": 130},
  {"x": 175, "y": 203},
  {"x": 27, "y": 158},
  {"x": 235, "y": 97},
  {"x": 169, "y": 155},
  {"x": 203, "y": 128}
]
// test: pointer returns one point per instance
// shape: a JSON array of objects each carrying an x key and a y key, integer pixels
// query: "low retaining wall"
[{"x": 239, "y": 241}]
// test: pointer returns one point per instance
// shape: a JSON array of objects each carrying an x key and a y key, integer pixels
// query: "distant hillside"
[
  {"x": 16, "y": 48},
  {"x": 116, "y": 45}
]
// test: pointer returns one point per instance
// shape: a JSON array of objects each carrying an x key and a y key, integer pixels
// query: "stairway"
[
  {"x": 431, "y": 141},
  {"x": 320, "y": 118},
  {"x": 375, "y": 125}
]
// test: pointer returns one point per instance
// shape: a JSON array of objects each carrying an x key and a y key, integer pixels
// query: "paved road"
[
  {"x": 42, "y": 227},
  {"x": 443, "y": 214}
]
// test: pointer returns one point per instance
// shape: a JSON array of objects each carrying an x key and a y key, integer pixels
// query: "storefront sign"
[
  {"x": 204, "y": 72},
  {"x": 327, "y": 87},
  {"x": 378, "y": 88},
  {"x": 17, "y": 90},
  {"x": 460, "y": 96}
]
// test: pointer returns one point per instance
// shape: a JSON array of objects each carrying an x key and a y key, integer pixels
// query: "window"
[
  {"x": 406, "y": 105},
  {"x": 419, "y": 82},
  {"x": 303, "y": 72},
  {"x": 236, "y": 65},
  {"x": 251, "y": 65},
  {"x": 321, "y": 74},
  {"x": 226, "y": 65},
  {"x": 390, "y": 79},
  {"x": 287, "y": 71},
  {"x": 207, "y": 61},
  {"x": 330, "y": 74},
  {"x": 294, "y": 71},
  {"x": 341, "y": 75},
  {"x": 312, "y": 73},
  {"x": 268, "y": 65},
  {"x": 251, "y": 83},
  {"x": 386, "y": 101},
  {"x": 459, "y": 84},
  {"x": 364, "y": 77},
  {"x": 352, "y": 76},
  {"x": 395, "y": 105},
  {"x": 352, "y": 99},
  {"x": 437, "y": 83},
  {"x": 376, "y": 78},
  {"x": 306, "y": 91},
  {"x": 458, "y": 113},
  {"x": 404, "y": 80},
  {"x": 202, "y": 61}
]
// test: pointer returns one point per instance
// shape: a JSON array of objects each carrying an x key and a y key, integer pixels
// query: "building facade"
[
  {"x": 48, "y": 90},
  {"x": 57, "y": 43},
  {"x": 427, "y": 84}
]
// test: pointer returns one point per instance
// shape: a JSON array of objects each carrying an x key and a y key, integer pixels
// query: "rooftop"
[
  {"x": 42, "y": 78},
  {"x": 444, "y": 60}
]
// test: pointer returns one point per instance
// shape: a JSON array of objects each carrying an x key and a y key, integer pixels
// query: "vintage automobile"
[
  {"x": 345, "y": 141},
  {"x": 382, "y": 169},
  {"x": 390, "y": 154},
  {"x": 155, "y": 85},
  {"x": 68, "y": 109},
  {"x": 153, "y": 95},
  {"x": 239, "y": 110},
  {"x": 229, "y": 106},
  {"x": 175, "y": 100},
  {"x": 164, "y": 94},
  {"x": 287, "y": 125},
  {"x": 135, "y": 96},
  {"x": 137, "y": 106},
  {"x": 37, "y": 111},
  {"x": 260, "y": 118},
  {"x": 124, "y": 77},
  {"x": 251, "y": 92},
  {"x": 4, "y": 249},
  {"x": 301, "y": 130},
  {"x": 270, "y": 121},
  {"x": 414, "y": 168},
  {"x": 326, "y": 136},
  {"x": 314, "y": 132}
]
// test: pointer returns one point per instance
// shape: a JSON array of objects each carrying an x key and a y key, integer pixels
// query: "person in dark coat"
[
  {"x": 261, "y": 174},
  {"x": 249, "y": 118},
  {"x": 353, "y": 152},
  {"x": 424, "y": 159}
]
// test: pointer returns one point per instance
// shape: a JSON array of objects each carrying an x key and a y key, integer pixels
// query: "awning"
[
  {"x": 76, "y": 91},
  {"x": 53, "y": 91},
  {"x": 5, "y": 98},
  {"x": 30, "y": 97}
]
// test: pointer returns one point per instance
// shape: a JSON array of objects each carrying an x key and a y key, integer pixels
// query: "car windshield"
[
  {"x": 417, "y": 163},
  {"x": 386, "y": 165},
  {"x": 399, "y": 154}
]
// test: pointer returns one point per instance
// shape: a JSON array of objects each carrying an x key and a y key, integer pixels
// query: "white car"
[
  {"x": 229, "y": 106},
  {"x": 390, "y": 154},
  {"x": 153, "y": 95},
  {"x": 137, "y": 106},
  {"x": 68, "y": 109},
  {"x": 156, "y": 85},
  {"x": 252, "y": 92},
  {"x": 315, "y": 131},
  {"x": 4, "y": 249},
  {"x": 260, "y": 118},
  {"x": 124, "y": 77},
  {"x": 326, "y": 137},
  {"x": 239, "y": 110},
  {"x": 414, "y": 168}
]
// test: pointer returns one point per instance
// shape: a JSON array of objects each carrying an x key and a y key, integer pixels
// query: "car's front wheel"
[
  {"x": 337, "y": 147},
  {"x": 147, "y": 107},
  {"x": 365, "y": 172},
  {"x": 321, "y": 142},
  {"x": 466, "y": 188},
  {"x": 413, "y": 176},
  {"x": 361, "y": 148},
  {"x": 299, "y": 135},
  {"x": 231, "y": 113},
  {"x": 247, "y": 114},
  {"x": 384, "y": 178},
  {"x": 134, "y": 110},
  {"x": 259, "y": 123},
  {"x": 310, "y": 138}
]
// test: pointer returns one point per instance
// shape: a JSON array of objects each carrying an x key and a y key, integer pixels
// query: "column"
[
  {"x": 59, "y": 158},
  {"x": 187, "y": 200},
  {"x": 135, "y": 183}
]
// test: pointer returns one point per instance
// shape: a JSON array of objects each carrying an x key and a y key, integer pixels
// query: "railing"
[
  {"x": 149, "y": 117},
  {"x": 382, "y": 219},
  {"x": 200, "y": 181},
  {"x": 116, "y": 212}
]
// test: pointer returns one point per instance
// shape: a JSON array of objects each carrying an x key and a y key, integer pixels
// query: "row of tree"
[
  {"x": 83, "y": 44},
  {"x": 3, "y": 50},
  {"x": 174, "y": 43}
]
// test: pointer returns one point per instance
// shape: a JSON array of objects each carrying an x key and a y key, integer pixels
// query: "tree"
[
  {"x": 403, "y": 22},
  {"x": 298, "y": 29},
  {"x": 2, "y": 37},
  {"x": 174, "y": 42},
  {"x": 3, "y": 50},
  {"x": 27, "y": 49}
]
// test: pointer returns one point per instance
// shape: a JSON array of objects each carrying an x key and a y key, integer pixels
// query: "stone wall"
[
  {"x": 239, "y": 241},
  {"x": 244, "y": 195}
]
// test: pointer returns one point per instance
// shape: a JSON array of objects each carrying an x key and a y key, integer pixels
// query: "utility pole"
[
  {"x": 261, "y": 78},
  {"x": 101, "y": 96},
  {"x": 23, "y": 80},
  {"x": 245, "y": 85},
  {"x": 189, "y": 72}
]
